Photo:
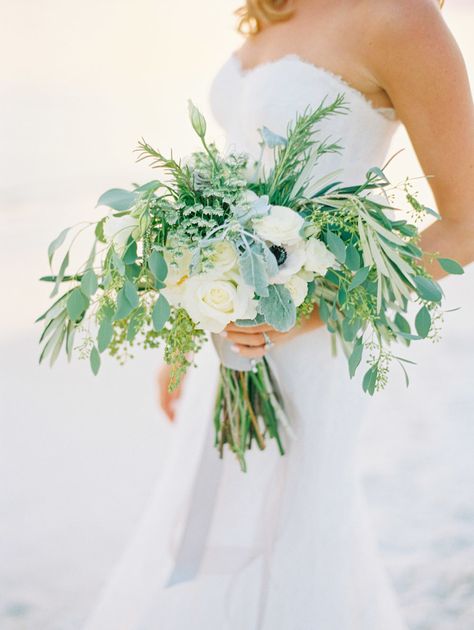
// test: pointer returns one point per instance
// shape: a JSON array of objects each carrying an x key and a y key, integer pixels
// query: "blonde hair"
[{"x": 255, "y": 12}]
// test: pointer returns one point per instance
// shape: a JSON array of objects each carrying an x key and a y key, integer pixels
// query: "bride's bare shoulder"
[
  {"x": 401, "y": 32},
  {"x": 401, "y": 18}
]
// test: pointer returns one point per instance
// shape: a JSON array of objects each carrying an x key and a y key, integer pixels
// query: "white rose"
[
  {"x": 281, "y": 226},
  {"x": 223, "y": 257},
  {"x": 318, "y": 257},
  {"x": 298, "y": 289},
  {"x": 178, "y": 272},
  {"x": 213, "y": 303},
  {"x": 117, "y": 230},
  {"x": 295, "y": 259}
]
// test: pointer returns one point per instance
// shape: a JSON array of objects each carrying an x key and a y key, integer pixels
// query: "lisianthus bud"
[{"x": 197, "y": 120}]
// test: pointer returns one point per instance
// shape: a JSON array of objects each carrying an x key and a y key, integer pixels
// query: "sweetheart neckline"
[{"x": 387, "y": 113}]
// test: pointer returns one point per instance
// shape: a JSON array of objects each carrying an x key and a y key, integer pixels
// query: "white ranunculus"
[
  {"x": 223, "y": 257},
  {"x": 281, "y": 226},
  {"x": 298, "y": 289},
  {"x": 178, "y": 272},
  {"x": 213, "y": 303},
  {"x": 318, "y": 257},
  {"x": 295, "y": 259},
  {"x": 117, "y": 230}
]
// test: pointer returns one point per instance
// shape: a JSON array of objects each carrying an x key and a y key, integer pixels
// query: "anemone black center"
[{"x": 279, "y": 253}]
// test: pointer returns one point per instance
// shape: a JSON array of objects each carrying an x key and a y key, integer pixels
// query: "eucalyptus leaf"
[
  {"x": 130, "y": 254},
  {"x": 57, "y": 346},
  {"x": 353, "y": 258},
  {"x": 336, "y": 246},
  {"x": 161, "y": 313},
  {"x": 324, "y": 310},
  {"x": 370, "y": 380},
  {"x": 50, "y": 344},
  {"x": 157, "y": 265},
  {"x": 118, "y": 263},
  {"x": 105, "y": 334},
  {"x": 451, "y": 266},
  {"x": 60, "y": 276},
  {"x": 341, "y": 296},
  {"x": 423, "y": 322},
  {"x": 77, "y": 304},
  {"x": 70, "y": 334},
  {"x": 149, "y": 186},
  {"x": 56, "y": 244},
  {"x": 124, "y": 307},
  {"x": 428, "y": 289},
  {"x": 356, "y": 357},
  {"x": 94, "y": 359},
  {"x": 118, "y": 199},
  {"x": 99, "y": 230},
  {"x": 131, "y": 293},
  {"x": 52, "y": 325},
  {"x": 134, "y": 324},
  {"x": 359, "y": 278},
  {"x": 350, "y": 328},
  {"x": 402, "y": 324},
  {"x": 89, "y": 283}
]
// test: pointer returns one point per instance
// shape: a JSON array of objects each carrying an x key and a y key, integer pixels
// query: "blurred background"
[{"x": 80, "y": 83}]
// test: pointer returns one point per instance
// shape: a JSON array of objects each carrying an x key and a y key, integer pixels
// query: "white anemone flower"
[{"x": 294, "y": 261}]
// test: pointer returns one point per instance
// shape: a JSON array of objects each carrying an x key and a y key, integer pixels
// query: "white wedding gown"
[{"x": 287, "y": 546}]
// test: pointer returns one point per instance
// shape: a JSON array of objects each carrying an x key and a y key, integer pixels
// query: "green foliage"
[
  {"x": 254, "y": 270},
  {"x": 423, "y": 322},
  {"x": 336, "y": 246},
  {"x": 161, "y": 313},
  {"x": 89, "y": 283},
  {"x": 94, "y": 360},
  {"x": 118, "y": 199},
  {"x": 182, "y": 341},
  {"x": 77, "y": 304},
  {"x": 278, "y": 308},
  {"x": 451, "y": 266},
  {"x": 113, "y": 301},
  {"x": 301, "y": 144}
]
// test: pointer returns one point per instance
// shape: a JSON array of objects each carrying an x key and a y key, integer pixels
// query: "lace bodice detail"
[{"x": 271, "y": 94}]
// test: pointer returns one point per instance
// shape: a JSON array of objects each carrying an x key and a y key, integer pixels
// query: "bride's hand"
[
  {"x": 254, "y": 341},
  {"x": 168, "y": 400}
]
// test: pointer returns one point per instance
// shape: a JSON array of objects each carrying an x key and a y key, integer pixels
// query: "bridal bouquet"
[{"x": 219, "y": 239}]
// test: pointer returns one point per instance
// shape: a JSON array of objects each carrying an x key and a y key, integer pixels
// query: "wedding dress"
[{"x": 288, "y": 545}]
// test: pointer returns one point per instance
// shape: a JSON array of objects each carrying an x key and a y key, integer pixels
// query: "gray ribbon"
[{"x": 199, "y": 518}]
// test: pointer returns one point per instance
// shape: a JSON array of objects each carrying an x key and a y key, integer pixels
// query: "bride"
[{"x": 288, "y": 546}]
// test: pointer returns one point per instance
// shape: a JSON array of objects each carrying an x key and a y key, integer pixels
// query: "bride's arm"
[{"x": 416, "y": 60}]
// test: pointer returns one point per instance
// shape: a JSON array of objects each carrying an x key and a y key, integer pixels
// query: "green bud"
[{"x": 197, "y": 120}]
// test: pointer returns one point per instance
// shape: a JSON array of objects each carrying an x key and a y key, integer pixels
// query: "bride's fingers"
[
  {"x": 261, "y": 328},
  {"x": 244, "y": 339},
  {"x": 249, "y": 352}
]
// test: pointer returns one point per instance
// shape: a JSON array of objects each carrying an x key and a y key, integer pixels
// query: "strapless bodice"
[{"x": 271, "y": 95}]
